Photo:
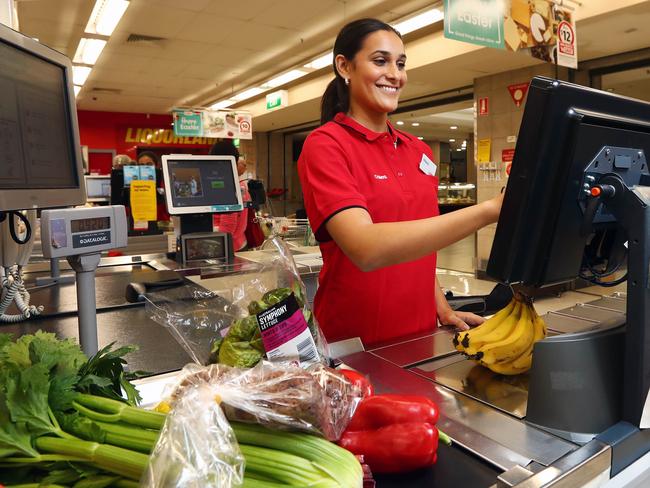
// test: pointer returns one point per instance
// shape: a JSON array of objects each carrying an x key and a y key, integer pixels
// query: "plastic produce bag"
[
  {"x": 240, "y": 317},
  {"x": 197, "y": 447},
  {"x": 317, "y": 399}
]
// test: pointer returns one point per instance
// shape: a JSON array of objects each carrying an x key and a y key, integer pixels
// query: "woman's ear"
[{"x": 342, "y": 66}]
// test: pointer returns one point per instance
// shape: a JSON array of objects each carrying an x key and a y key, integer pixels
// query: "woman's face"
[
  {"x": 377, "y": 73},
  {"x": 146, "y": 160}
]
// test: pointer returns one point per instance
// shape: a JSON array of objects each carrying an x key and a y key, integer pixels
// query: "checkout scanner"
[
  {"x": 195, "y": 188},
  {"x": 580, "y": 172}
]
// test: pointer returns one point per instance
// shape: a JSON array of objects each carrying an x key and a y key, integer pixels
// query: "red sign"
[
  {"x": 518, "y": 92},
  {"x": 483, "y": 106},
  {"x": 567, "y": 38},
  {"x": 507, "y": 155}
]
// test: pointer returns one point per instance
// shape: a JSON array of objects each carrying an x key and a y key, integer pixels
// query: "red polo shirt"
[{"x": 344, "y": 165}]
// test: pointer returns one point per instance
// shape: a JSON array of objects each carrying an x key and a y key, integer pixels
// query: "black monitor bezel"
[
  {"x": 558, "y": 117},
  {"x": 27, "y": 198}
]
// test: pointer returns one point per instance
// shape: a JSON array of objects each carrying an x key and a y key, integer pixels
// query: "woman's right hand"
[{"x": 494, "y": 205}]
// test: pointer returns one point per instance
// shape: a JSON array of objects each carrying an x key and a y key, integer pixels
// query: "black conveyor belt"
[{"x": 455, "y": 468}]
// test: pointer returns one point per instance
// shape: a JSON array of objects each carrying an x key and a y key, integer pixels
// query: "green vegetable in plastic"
[{"x": 240, "y": 354}]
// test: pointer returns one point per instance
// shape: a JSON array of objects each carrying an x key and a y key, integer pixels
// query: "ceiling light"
[
  {"x": 452, "y": 140},
  {"x": 321, "y": 62},
  {"x": 284, "y": 78},
  {"x": 417, "y": 22},
  {"x": 420, "y": 137},
  {"x": 453, "y": 127},
  {"x": 222, "y": 104},
  {"x": 80, "y": 74},
  {"x": 399, "y": 122},
  {"x": 458, "y": 149},
  {"x": 105, "y": 16},
  {"x": 77, "y": 89},
  {"x": 250, "y": 93},
  {"x": 88, "y": 50},
  {"x": 415, "y": 124}
]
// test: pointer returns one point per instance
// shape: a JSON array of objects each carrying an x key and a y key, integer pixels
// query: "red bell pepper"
[
  {"x": 382, "y": 410},
  {"x": 357, "y": 379},
  {"x": 395, "y": 448}
]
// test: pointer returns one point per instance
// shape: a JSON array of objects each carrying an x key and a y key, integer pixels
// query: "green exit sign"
[{"x": 277, "y": 99}]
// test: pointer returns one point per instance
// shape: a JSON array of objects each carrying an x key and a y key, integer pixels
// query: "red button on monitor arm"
[{"x": 596, "y": 191}]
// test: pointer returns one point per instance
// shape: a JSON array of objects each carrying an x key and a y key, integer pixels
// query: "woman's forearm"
[{"x": 375, "y": 245}]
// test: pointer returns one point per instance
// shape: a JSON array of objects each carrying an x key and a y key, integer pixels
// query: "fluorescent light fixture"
[
  {"x": 321, "y": 62},
  {"x": 421, "y": 20},
  {"x": 415, "y": 124},
  {"x": 105, "y": 16},
  {"x": 420, "y": 137},
  {"x": 222, "y": 104},
  {"x": 80, "y": 74},
  {"x": 88, "y": 50},
  {"x": 250, "y": 93},
  {"x": 452, "y": 140},
  {"x": 284, "y": 78},
  {"x": 399, "y": 122},
  {"x": 77, "y": 89},
  {"x": 458, "y": 149},
  {"x": 453, "y": 127}
]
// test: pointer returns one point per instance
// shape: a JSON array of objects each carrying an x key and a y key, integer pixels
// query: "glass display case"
[{"x": 452, "y": 196}]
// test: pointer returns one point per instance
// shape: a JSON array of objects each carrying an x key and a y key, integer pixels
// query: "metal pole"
[{"x": 85, "y": 267}]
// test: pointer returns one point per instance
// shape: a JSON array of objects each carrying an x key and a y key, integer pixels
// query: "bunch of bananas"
[{"x": 504, "y": 342}]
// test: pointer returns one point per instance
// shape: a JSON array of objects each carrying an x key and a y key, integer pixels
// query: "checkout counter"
[{"x": 484, "y": 413}]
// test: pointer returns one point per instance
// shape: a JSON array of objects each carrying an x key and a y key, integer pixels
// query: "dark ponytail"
[{"x": 348, "y": 43}]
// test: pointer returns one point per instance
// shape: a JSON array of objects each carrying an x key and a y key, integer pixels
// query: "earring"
[{"x": 347, "y": 81}]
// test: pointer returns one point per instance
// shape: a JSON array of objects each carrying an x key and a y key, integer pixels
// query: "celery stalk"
[
  {"x": 123, "y": 462},
  {"x": 338, "y": 463},
  {"x": 107, "y": 410}
]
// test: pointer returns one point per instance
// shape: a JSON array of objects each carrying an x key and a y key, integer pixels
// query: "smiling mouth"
[{"x": 388, "y": 89}]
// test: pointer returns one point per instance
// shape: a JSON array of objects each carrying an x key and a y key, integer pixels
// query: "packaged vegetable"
[
  {"x": 250, "y": 312},
  {"x": 316, "y": 399},
  {"x": 197, "y": 447}
]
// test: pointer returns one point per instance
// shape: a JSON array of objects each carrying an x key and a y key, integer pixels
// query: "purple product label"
[{"x": 281, "y": 323}]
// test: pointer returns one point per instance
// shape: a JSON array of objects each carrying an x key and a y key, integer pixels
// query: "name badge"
[{"x": 427, "y": 166}]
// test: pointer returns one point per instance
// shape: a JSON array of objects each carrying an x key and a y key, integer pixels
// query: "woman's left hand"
[{"x": 460, "y": 320}]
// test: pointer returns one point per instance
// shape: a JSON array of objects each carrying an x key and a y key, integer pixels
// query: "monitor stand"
[{"x": 631, "y": 207}]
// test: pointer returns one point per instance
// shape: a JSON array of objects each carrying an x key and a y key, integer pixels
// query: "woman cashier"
[{"x": 370, "y": 193}]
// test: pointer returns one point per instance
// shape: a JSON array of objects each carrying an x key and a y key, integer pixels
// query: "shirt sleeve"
[{"x": 328, "y": 184}]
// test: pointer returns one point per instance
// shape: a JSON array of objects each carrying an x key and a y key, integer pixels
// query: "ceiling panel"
[
  {"x": 211, "y": 29},
  {"x": 193, "y": 5},
  {"x": 242, "y": 9},
  {"x": 293, "y": 14},
  {"x": 150, "y": 19}
]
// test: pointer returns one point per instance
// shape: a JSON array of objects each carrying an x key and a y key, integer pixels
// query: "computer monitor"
[
  {"x": 98, "y": 187},
  {"x": 201, "y": 184},
  {"x": 570, "y": 137},
  {"x": 41, "y": 164}
]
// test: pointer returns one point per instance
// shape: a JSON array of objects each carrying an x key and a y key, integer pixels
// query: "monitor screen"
[
  {"x": 570, "y": 137},
  {"x": 98, "y": 186},
  {"x": 198, "y": 184},
  {"x": 39, "y": 141}
]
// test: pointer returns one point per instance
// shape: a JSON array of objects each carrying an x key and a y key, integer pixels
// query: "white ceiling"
[{"x": 212, "y": 48}]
